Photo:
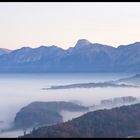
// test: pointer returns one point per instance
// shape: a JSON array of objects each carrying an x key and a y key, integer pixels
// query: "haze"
[
  {"x": 15, "y": 94},
  {"x": 63, "y": 23}
]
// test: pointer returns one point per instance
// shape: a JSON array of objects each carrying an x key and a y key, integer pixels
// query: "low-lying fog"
[{"x": 18, "y": 90}]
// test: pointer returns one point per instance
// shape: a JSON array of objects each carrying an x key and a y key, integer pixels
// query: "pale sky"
[{"x": 63, "y": 23}]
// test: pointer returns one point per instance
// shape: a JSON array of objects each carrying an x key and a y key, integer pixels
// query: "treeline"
[{"x": 117, "y": 122}]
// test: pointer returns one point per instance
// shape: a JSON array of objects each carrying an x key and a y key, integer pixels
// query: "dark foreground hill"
[{"x": 117, "y": 122}]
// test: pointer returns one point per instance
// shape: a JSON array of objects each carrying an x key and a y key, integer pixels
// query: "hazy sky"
[{"x": 62, "y": 24}]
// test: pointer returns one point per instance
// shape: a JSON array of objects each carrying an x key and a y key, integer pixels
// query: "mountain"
[
  {"x": 83, "y": 57},
  {"x": 120, "y": 122},
  {"x": 28, "y": 59},
  {"x": 127, "y": 58},
  {"x": 91, "y": 85},
  {"x": 82, "y": 42},
  {"x": 43, "y": 113},
  {"x": 88, "y": 57},
  {"x": 131, "y": 80},
  {"x": 4, "y": 51}
]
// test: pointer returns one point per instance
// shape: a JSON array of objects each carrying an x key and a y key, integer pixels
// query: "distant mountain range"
[
  {"x": 129, "y": 82},
  {"x": 135, "y": 80},
  {"x": 91, "y": 85},
  {"x": 4, "y": 51},
  {"x": 83, "y": 57}
]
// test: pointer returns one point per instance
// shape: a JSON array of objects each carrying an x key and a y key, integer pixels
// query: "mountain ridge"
[{"x": 83, "y": 57}]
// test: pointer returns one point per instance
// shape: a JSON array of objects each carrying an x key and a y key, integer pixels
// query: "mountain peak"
[
  {"x": 82, "y": 42},
  {"x": 26, "y": 48},
  {"x": 136, "y": 44},
  {"x": 4, "y": 51}
]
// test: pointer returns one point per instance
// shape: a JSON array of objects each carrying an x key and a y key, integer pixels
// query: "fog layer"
[{"x": 18, "y": 90}]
